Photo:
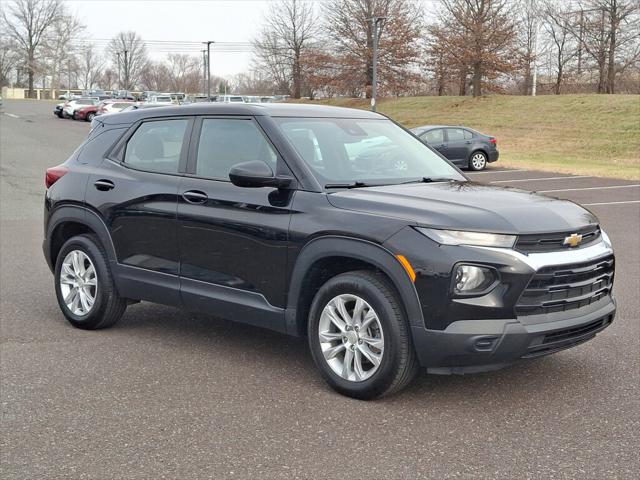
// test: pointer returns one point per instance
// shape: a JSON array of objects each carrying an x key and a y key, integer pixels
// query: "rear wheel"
[
  {"x": 84, "y": 286},
  {"x": 359, "y": 336},
  {"x": 478, "y": 161}
]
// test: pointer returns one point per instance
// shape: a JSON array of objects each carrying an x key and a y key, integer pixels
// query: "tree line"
[{"x": 324, "y": 49}]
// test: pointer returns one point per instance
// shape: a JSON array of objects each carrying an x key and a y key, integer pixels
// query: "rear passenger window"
[
  {"x": 434, "y": 136},
  {"x": 467, "y": 135},
  {"x": 455, "y": 134},
  {"x": 156, "y": 146},
  {"x": 226, "y": 142}
]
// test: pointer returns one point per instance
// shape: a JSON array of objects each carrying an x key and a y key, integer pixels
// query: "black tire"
[
  {"x": 59, "y": 114},
  {"x": 108, "y": 306},
  {"x": 90, "y": 117},
  {"x": 479, "y": 165},
  {"x": 398, "y": 365},
  {"x": 75, "y": 116}
]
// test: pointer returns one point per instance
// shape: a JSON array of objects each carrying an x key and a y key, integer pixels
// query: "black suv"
[{"x": 333, "y": 223}]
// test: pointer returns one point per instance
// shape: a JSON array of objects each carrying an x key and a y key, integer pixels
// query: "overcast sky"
[
  {"x": 180, "y": 25},
  {"x": 179, "y": 21}
]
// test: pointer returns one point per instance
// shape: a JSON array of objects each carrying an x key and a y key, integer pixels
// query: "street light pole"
[
  {"x": 377, "y": 23},
  {"x": 204, "y": 71},
  {"x": 209, "y": 42},
  {"x": 126, "y": 73},
  {"x": 119, "y": 83}
]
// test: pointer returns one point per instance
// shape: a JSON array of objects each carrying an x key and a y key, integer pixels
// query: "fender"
[
  {"x": 78, "y": 214},
  {"x": 364, "y": 250}
]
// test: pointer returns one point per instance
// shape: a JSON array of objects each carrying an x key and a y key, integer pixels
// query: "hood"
[{"x": 467, "y": 206}]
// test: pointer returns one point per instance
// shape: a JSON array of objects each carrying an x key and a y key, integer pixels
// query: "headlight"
[
  {"x": 457, "y": 237},
  {"x": 472, "y": 279}
]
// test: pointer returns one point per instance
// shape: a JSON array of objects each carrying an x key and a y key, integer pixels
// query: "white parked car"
[
  {"x": 113, "y": 106},
  {"x": 163, "y": 99},
  {"x": 69, "y": 108}
]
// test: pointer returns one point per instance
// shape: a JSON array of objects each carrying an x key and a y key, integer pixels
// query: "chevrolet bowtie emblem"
[{"x": 573, "y": 240}]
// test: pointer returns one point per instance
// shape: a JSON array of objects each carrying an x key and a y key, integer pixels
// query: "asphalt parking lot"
[{"x": 171, "y": 394}]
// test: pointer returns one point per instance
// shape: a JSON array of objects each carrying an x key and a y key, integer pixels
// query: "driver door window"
[{"x": 225, "y": 142}]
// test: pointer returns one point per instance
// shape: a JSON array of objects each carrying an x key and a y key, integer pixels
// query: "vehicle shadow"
[{"x": 267, "y": 351}]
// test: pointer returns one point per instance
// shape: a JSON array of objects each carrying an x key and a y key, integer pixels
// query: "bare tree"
[
  {"x": 185, "y": 72},
  {"x": 90, "y": 64},
  {"x": 155, "y": 76},
  {"x": 350, "y": 30},
  {"x": 528, "y": 21},
  {"x": 291, "y": 27},
  {"x": 59, "y": 47},
  {"x": 129, "y": 55},
  {"x": 8, "y": 59},
  {"x": 557, "y": 24},
  {"x": 108, "y": 79},
  {"x": 27, "y": 22}
]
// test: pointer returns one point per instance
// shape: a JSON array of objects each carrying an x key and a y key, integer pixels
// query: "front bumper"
[{"x": 470, "y": 346}]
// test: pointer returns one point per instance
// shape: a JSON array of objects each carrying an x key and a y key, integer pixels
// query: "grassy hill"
[{"x": 586, "y": 134}]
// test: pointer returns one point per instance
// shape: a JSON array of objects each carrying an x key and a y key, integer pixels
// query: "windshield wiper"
[
  {"x": 428, "y": 180},
  {"x": 355, "y": 184}
]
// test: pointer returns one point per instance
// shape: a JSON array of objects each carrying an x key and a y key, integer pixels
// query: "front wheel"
[
  {"x": 359, "y": 336},
  {"x": 90, "y": 117},
  {"x": 84, "y": 285},
  {"x": 478, "y": 161}
]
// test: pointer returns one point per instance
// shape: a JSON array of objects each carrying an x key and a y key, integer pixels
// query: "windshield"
[{"x": 370, "y": 151}]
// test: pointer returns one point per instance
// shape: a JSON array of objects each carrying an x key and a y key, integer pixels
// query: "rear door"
[
  {"x": 233, "y": 241},
  {"x": 136, "y": 191},
  {"x": 458, "y": 144},
  {"x": 436, "y": 139}
]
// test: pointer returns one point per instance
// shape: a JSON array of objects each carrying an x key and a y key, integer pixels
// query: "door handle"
[
  {"x": 195, "y": 196},
  {"x": 103, "y": 184},
  {"x": 468, "y": 142}
]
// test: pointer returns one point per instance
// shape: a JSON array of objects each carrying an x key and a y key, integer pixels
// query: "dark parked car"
[
  {"x": 336, "y": 224},
  {"x": 465, "y": 147}
]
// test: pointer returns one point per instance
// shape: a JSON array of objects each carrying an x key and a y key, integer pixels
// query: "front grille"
[
  {"x": 549, "y": 242},
  {"x": 567, "y": 287}
]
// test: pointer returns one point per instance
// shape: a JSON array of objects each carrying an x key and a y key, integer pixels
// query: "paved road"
[{"x": 170, "y": 394}]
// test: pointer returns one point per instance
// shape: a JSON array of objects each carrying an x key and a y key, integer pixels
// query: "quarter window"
[
  {"x": 226, "y": 142},
  {"x": 156, "y": 146}
]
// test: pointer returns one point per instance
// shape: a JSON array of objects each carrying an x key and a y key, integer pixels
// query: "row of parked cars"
[{"x": 464, "y": 147}]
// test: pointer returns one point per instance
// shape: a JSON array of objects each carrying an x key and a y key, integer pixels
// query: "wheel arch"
[
  {"x": 323, "y": 258},
  {"x": 70, "y": 220}
]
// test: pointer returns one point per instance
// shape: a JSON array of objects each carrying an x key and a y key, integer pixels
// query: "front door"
[{"x": 233, "y": 240}]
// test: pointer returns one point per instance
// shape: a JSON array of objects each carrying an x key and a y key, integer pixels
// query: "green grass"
[{"x": 580, "y": 134}]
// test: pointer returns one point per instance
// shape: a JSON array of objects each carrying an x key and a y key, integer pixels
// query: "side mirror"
[{"x": 256, "y": 174}]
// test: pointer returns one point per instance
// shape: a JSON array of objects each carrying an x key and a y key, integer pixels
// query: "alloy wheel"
[
  {"x": 478, "y": 161},
  {"x": 78, "y": 283},
  {"x": 351, "y": 337}
]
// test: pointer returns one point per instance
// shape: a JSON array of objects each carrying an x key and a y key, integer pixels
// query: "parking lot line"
[
  {"x": 588, "y": 188},
  {"x": 496, "y": 171},
  {"x": 609, "y": 203},
  {"x": 12, "y": 115},
  {"x": 544, "y": 178}
]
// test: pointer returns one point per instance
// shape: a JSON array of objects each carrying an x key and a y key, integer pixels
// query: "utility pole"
[
  {"x": 534, "y": 86},
  {"x": 377, "y": 26},
  {"x": 204, "y": 72},
  {"x": 208, "y": 68},
  {"x": 119, "y": 83},
  {"x": 580, "y": 42},
  {"x": 126, "y": 73},
  {"x": 69, "y": 73}
]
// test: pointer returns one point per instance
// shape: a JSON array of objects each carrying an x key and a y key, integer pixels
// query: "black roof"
[{"x": 265, "y": 109}]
